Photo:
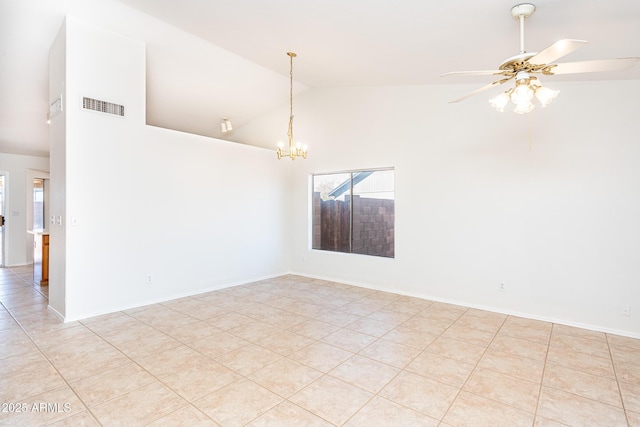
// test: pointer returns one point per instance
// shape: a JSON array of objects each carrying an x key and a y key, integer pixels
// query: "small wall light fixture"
[{"x": 225, "y": 125}]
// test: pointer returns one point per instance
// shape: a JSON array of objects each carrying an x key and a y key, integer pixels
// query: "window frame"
[{"x": 350, "y": 196}]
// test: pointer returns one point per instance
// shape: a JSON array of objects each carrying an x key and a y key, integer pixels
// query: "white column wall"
[
  {"x": 57, "y": 171},
  {"x": 194, "y": 213}
]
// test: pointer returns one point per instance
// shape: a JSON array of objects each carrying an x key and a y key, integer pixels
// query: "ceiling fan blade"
[
  {"x": 557, "y": 50},
  {"x": 473, "y": 73},
  {"x": 482, "y": 89},
  {"x": 594, "y": 66}
]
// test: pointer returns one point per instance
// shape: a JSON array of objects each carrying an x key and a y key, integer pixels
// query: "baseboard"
[
  {"x": 596, "y": 328},
  {"x": 57, "y": 314},
  {"x": 83, "y": 316}
]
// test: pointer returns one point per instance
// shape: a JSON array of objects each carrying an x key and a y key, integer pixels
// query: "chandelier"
[
  {"x": 295, "y": 149},
  {"x": 527, "y": 89}
]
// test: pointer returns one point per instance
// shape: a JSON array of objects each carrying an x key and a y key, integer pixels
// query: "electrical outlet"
[
  {"x": 503, "y": 287},
  {"x": 149, "y": 278},
  {"x": 626, "y": 310}
]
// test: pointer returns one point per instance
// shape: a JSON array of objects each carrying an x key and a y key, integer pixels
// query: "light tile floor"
[{"x": 293, "y": 351}]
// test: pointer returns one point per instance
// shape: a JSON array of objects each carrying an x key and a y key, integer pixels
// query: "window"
[{"x": 354, "y": 212}]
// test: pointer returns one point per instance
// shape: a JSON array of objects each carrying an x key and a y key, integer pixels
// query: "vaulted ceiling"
[{"x": 207, "y": 59}]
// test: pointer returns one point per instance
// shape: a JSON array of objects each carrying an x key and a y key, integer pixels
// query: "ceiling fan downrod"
[{"x": 521, "y": 12}]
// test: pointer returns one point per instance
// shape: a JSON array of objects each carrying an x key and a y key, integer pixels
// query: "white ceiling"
[{"x": 236, "y": 64}]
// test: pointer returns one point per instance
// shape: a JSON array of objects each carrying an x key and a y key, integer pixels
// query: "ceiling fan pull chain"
[{"x": 530, "y": 132}]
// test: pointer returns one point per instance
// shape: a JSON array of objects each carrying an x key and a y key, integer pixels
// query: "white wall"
[
  {"x": 58, "y": 165},
  {"x": 475, "y": 206},
  {"x": 176, "y": 60},
  {"x": 16, "y": 168},
  {"x": 195, "y": 213}
]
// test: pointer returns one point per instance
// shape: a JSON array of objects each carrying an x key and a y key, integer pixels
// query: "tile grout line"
[
  {"x": 141, "y": 367},
  {"x": 400, "y": 370},
  {"x": 544, "y": 369},
  {"x": 62, "y": 377},
  {"x": 615, "y": 373},
  {"x": 587, "y": 373},
  {"x": 243, "y": 376},
  {"x": 473, "y": 370},
  {"x": 327, "y": 374},
  {"x": 155, "y": 377},
  {"x": 441, "y": 420}
]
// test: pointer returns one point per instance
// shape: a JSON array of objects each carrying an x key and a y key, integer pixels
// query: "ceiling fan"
[{"x": 523, "y": 69}]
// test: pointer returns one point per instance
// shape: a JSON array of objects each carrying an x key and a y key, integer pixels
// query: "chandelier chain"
[{"x": 290, "y": 132}]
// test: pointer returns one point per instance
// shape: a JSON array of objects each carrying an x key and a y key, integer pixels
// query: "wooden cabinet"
[{"x": 41, "y": 258}]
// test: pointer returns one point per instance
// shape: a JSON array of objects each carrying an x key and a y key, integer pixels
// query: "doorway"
[
  {"x": 2, "y": 192},
  {"x": 38, "y": 204}
]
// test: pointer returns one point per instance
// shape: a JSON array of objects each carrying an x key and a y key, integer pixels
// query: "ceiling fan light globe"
[
  {"x": 500, "y": 101},
  {"x": 521, "y": 94},
  {"x": 524, "y": 107},
  {"x": 546, "y": 95}
]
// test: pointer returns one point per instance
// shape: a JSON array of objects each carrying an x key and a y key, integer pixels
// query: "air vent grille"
[{"x": 102, "y": 106}]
